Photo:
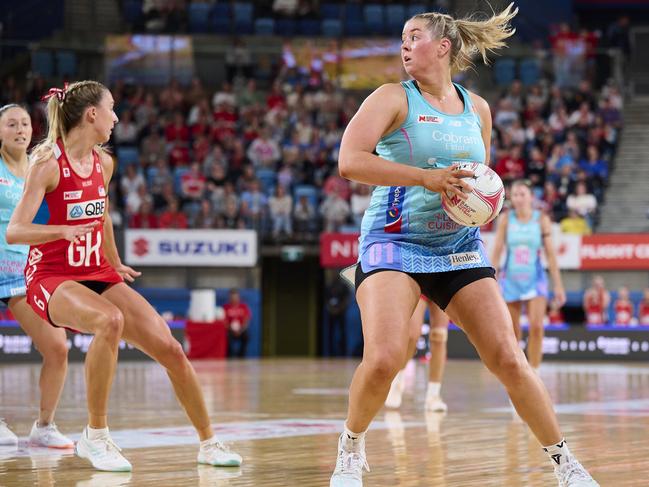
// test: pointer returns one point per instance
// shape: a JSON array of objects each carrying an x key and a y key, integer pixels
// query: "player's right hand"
[
  {"x": 73, "y": 232},
  {"x": 448, "y": 181}
]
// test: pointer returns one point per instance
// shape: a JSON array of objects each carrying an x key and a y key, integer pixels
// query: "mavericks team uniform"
[
  {"x": 12, "y": 257},
  {"x": 76, "y": 200},
  {"x": 405, "y": 228},
  {"x": 523, "y": 277}
]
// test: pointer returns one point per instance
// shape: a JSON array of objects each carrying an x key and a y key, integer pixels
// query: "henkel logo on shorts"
[
  {"x": 465, "y": 258},
  {"x": 86, "y": 209}
]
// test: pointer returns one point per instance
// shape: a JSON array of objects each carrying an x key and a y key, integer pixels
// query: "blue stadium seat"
[
  {"x": 242, "y": 14},
  {"x": 308, "y": 27},
  {"x": 374, "y": 18},
  {"x": 199, "y": 14},
  {"x": 530, "y": 72},
  {"x": 127, "y": 155},
  {"x": 132, "y": 10},
  {"x": 66, "y": 64},
  {"x": 221, "y": 19},
  {"x": 354, "y": 21},
  {"x": 416, "y": 8},
  {"x": 43, "y": 63},
  {"x": 395, "y": 15},
  {"x": 267, "y": 178},
  {"x": 177, "y": 176},
  {"x": 504, "y": 71},
  {"x": 264, "y": 27},
  {"x": 331, "y": 11},
  {"x": 285, "y": 27},
  {"x": 332, "y": 28},
  {"x": 311, "y": 192}
]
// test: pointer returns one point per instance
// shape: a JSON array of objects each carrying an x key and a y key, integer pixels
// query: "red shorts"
[{"x": 40, "y": 290}]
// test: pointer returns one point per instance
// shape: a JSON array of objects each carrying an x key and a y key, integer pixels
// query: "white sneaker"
[
  {"x": 217, "y": 454},
  {"x": 435, "y": 404},
  {"x": 396, "y": 391},
  {"x": 7, "y": 437},
  {"x": 573, "y": 474},
  {"x": 49, "y": 436},
  {"x": 349, "y": 465},
  {"x": 102, "y": 453}
]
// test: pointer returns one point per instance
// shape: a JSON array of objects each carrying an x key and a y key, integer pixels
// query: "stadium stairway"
[{"x": 627, "y": 197}]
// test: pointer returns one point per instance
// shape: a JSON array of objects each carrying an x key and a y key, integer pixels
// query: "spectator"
[
  {"x": 264, "y": 151},
  {"x": 206, "y": 217},
  {"x": 360, "y": 201},
  {"x": 231, "y": 217},
  {"x": 177, "y": 131},
  {"x": 582, "y": 202},
  {"x": 511, "y": 166},
  {"x": 618, "y": 36},
  {"x": 596, "y": 302},
  {"x": 304, "y": 217},
  {"x": 133, "y": 188},
  {"x": 125, "y": 132},
  {"x": 574, "y": 224},
  {"x": 172, "y": 217},
  {"x": 280, "y": 206},
  {"x": 623, "y": 308},
  {"x": 338, "y": 185},
  {"x": 337, "y": 304},
  {"x": 335, "y": 212},
  {"x": 249, "y": 97},
  {"x": 224, "y": 96},
  {"x": 505, "y": 115},
  {"x": 144, "y": 218},
  {"x": 152, "y": 148},
  {"x": 158, "y": 174},
  {"x": 192, "y": 184},
  {"x": 555, "y": 315},
  {"x": 254, "y": 204},
  {"x": 237, "y": 318}
]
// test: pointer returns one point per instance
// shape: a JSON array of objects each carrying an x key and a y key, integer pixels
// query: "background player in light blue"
[
  {"x": 524, "y": 232},
  {"x": 15, "y": 137},
  {"x": 408, "y": 246}
]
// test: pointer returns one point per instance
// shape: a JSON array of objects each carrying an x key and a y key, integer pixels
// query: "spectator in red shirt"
[
  {"x": 511, "y": 166},
  {"x": 172, "y": 217},
  {"x": 178, "y": 130},
  {"x": 275, "y": 98},
  {"x": 144, "y": 218},
  {"x": 237, "y": 318},
  {"x": 192, "y": 183}
]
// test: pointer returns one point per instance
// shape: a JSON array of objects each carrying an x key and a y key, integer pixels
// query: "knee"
[
  {"x": 111, "y": 324},
  {"x": 508, "y": 364},
  {"x": 56, "y": 352},
  {"x": 383, "y": 366}
]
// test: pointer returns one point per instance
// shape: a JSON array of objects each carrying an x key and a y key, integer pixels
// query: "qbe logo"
[{"x": 87, "y": 209}]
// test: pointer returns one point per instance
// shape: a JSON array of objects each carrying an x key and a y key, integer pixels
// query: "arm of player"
[
  {"x": 108, "y": 244},
  {"x": 379, "y": 114},
  {"x": 499, "y": 241},
  {"x": 484, "y": 112},
  {"x": 553, "y": 266},
  {"x": 41, "y": 178}
]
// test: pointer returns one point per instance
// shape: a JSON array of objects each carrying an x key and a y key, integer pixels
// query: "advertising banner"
[{"x": 204, "y": 248}]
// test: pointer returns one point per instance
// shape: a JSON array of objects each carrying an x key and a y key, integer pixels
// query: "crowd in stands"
[{"x": 624, "y": 309}]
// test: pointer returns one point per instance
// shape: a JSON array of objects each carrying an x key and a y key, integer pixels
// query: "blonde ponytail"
[
  {"x": 65, "y": 109},
  {"x": 469, "y": 36}
]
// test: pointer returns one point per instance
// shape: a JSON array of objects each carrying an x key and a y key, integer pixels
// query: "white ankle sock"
[
  {"x": 94, "y": 434},
  {"x": 559, "y": 453},
  {"x": 434, "y": 388},
  {"x": 209, "y": 441},
  {"x": 353, "y": 441}
]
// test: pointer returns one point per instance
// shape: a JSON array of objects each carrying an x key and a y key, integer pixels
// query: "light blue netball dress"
[
  {"x": 12, "y": 257},
  {"x": 523, "y": 277},
  {"x": 405, "y": 228}
]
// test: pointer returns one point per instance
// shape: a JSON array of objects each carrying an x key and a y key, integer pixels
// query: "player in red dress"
[
  {"x": 643, "y": 309},
  {"x": 74, "y": 275},
  {"x": 596, "y": 302},
  {"x": 623, "y": 308}
]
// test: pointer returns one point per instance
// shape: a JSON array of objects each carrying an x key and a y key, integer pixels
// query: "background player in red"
[
  {"x": 237, "y": 316},
  {"x": 71, "y": 283},
  {"x": 15, "y": 137},
  {"x": 596, "y": 302},
  {"x": 623, "y": 308},
  {"x": 643, "y": 309}
]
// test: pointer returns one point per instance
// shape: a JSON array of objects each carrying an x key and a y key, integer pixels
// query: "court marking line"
[{"x": 630, "y": 407}]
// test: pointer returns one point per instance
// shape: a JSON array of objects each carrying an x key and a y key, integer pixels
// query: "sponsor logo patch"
[
  {"x": 86, "y": 209},
  {"x": 72, "y": 195},
  {"x": 429, "y": 119},
  {"x": 393, "y": 214},
  {"x": 465, "y": 258},
  {"x": 5, "y": 182},
  {"x": 102, "y": 191},
  {"x": 66, "y": 172}
]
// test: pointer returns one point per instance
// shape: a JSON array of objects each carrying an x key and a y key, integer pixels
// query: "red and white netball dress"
[
  {"x": 643, "y": 313},
  {"x": 594, "y": 309},
  {"x": 76, "y": 200},
  {"x": 623, "y": 312}
]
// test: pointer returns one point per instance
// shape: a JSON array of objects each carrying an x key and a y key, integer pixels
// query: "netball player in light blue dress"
[
  {"x": 524, "y": 233},
  {"x": 408, "y": 246},
  {"x": 15, "y": 137}
]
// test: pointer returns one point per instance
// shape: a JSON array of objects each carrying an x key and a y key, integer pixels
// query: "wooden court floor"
[{"x": 284, "y": 417}]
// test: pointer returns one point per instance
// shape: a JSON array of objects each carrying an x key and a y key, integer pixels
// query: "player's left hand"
[
  {"x": 128, "y": 273},
  {"x": 560, "y": 296}
]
